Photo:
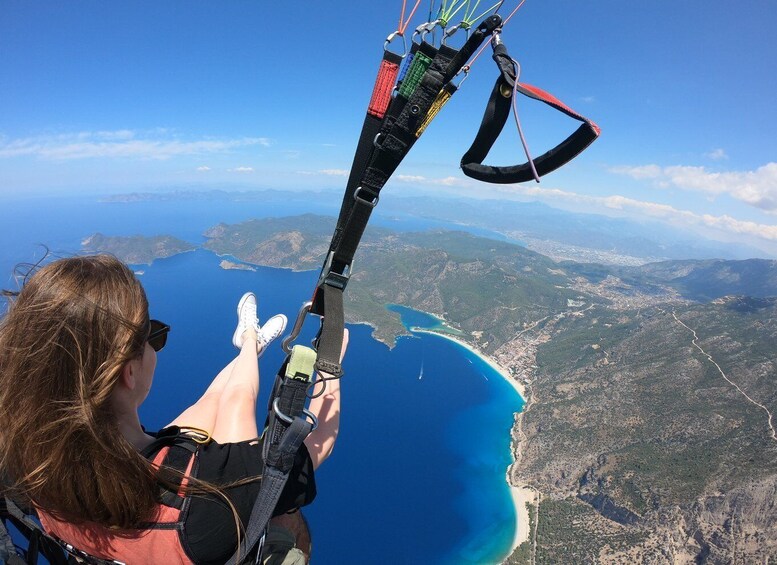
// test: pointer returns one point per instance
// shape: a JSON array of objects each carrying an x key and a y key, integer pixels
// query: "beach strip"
[
  {"x": 520, "y": 495},
  {"x": 519, "y": 388}
]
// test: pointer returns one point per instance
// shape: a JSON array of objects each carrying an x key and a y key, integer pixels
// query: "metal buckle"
[
  {"x": 424, "y": 29},
  {"x": 372, "y": 203}
]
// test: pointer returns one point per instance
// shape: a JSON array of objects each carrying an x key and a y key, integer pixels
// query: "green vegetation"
[
  {"x": 475, "y": 284},
  {"x": 137, "y": 250},
  {"x": 567, "y": 533}
]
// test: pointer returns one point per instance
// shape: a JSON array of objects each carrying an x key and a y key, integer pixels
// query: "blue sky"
[{"x": 119, "y": 96}]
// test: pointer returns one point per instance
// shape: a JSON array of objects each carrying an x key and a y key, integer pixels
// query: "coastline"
[
  {"x": 521, "y": 495},
  {"x": 519, "y": 388}
]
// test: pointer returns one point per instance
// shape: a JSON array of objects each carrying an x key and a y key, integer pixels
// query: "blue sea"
[{"x": 418, "y": 472}]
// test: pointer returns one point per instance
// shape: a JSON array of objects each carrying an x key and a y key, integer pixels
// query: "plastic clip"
[{"x": 331, "y": 277}]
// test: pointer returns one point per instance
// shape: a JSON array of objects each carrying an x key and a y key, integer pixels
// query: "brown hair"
[{"x": 63, "y": 344}]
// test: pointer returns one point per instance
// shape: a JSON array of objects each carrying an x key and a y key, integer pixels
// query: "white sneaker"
[
  {"x": 246, "y": 318},
  {"x": 269, "y": 331}
]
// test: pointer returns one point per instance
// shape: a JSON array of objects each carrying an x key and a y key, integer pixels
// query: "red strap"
[{"x": 384, "y": 84}]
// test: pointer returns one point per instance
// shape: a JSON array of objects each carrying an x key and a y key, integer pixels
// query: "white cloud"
[
  {"x": 445, "y": 181},
  {"x": 326, "y": 172},
  {"x": 203, "y": 168},
  {"x": 241, "y": 170},
  {"x": 757, "y": 188},
  {"x": 638, "y": 173},
  {"x": 717, "y": 155},
  {"x": 589, "y": 99},
  {"x": 119, "y": 144},
  {"x": 684, "y": 218}
]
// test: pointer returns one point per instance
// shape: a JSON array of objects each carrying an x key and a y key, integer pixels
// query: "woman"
[{"x": 77, "y": 359}]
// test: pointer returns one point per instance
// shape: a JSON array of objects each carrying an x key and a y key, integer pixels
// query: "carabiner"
[
  {"x": 303, "y": 311},
  {"x": 391, "y": 38},
  {"x": 288, "y": 419},
  {"x": 465, "y": 70},
  {"x": 450, "y": 31},
  {"x": 424, "y": 29}
]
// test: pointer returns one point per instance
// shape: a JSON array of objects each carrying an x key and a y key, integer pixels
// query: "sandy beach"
[{"x": 520, "y": 495}]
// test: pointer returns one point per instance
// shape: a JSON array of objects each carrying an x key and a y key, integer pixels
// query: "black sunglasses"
[{"x": 157, "y": 334}]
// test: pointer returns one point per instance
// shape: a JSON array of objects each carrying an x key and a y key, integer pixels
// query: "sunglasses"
[{"x": 157, "y": 334}]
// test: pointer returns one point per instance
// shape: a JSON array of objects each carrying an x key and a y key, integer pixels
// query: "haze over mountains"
[{"x": 552, "y": 232}]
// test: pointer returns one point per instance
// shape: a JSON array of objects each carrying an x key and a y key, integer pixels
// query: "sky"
[{"x": 105, "y": 97}]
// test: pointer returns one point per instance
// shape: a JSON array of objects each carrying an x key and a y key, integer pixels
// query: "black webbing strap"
[
  {"x": 370, "y": 128},
  {"x": 494, "y": 118},
  {"x": 330, "y": 340},
  {"x": 177, "y": 457},
  {"x": 286, "y": 429},
  {"x": 398, "y": 135},
  {"x": 373, "y": 126},
  {"x": 399, "y": 131}
]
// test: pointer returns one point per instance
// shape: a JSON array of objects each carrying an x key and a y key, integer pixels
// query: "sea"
[{"x": 418, "y": 472}]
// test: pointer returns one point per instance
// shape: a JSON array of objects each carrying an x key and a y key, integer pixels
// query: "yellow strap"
[{"x": 442, "y": 98}]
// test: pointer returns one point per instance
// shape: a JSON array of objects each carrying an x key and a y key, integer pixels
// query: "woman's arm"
[{"x": 326, "y": 407}]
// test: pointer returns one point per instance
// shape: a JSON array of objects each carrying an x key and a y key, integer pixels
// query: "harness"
[{"x": 47, "y": 536}]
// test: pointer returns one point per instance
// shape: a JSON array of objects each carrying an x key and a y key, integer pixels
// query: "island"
[{"x": 138, "y": 249}]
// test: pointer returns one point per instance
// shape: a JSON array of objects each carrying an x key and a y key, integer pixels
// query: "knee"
[{"x": 239, "y": 394}]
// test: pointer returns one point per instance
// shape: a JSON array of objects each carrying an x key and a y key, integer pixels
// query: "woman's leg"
[
  {"x": 202, "y": 414},
  {"x": 235, "y": 418}
]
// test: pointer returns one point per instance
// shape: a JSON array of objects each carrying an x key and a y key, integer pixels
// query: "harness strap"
[
  {"x": 398, "y": 135},
  {"x": 494, "y": 118},
  {"x": 178, "y": 457},
  {"x": 287, "y": 428},
  {"x": 420, "y": 96}
]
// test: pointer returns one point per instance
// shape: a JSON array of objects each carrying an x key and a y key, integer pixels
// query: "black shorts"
[{"x": 209, "y": 534}]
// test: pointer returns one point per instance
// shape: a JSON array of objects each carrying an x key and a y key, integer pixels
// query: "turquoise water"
[{"x": 418, "y": 473}]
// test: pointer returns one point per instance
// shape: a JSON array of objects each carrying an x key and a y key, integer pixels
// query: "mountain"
[
  {"x": 648, "y": 433},
  {"x": 650, "y": 446},
  {"x": 571, "y": 235}
]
